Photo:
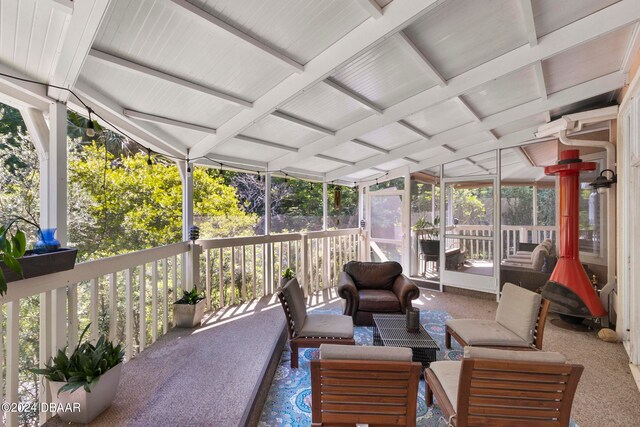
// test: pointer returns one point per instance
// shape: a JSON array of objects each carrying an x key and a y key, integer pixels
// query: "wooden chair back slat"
[
  {"x": 364, "y": 392},
  {"x": 515, "y": 392}
]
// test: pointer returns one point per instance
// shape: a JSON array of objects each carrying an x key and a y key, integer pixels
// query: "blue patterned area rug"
[{"x": 289, "y": 400}]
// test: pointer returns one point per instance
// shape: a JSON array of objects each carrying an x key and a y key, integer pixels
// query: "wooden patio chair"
[
  {"x": 364, "y": 385},
  {"x": 501, "y": 388},
  {"x": 311, "y": 330},
  {"x": 519, "y": 323}
]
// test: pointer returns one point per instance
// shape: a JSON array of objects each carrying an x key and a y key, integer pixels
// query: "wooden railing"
[
  {"x": 127, "y": 297},
  {"x": 241, "y": 268},
  {"x": 511, "y": 235}
]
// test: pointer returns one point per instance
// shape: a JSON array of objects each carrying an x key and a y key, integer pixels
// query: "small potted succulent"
[
  {"x": 287, "y": 275},
  {"x": 86, "y": 381},
  {"x": 189, "y": 310}
]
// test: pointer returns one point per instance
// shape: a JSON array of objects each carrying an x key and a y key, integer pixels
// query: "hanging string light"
[
  {"x": 90, "y": 131},
  {"x": 149, "y": 161}
]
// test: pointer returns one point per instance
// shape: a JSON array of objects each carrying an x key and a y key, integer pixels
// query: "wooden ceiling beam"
[
  {"x": 198, "y": 13},
  {"x": 107, "y": 58}
]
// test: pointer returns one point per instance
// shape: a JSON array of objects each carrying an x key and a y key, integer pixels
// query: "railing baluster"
[
  {"x": 44, "y": 351},
  {"x": 174, "y": 278},
  {"x": 165, "y": 296},
  {"x": 13, "y": 359},
  {"x": 154, "y": 301},
  {"x": 221, "y": 284},
  {"x": 207, "y": 277},
  {"x": 72, "y": 300},
  {"x": 280, "y": 264},
  {"x": 264, "y": 269},
  {"x": 244, "y": 268},
  {"x": 113, "y": 307},
  {"x": 142, "y": 330},
  {"x": 254, "y": 271},
  {"x": 128, "y": 291},
  {"x": 233, "y": 275},
  {"x": 93, "y": 309}
]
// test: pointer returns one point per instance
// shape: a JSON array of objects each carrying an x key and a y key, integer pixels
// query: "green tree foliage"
[
  {"x": 517, "y": 205},
  {"x": 129, "y": 205}
]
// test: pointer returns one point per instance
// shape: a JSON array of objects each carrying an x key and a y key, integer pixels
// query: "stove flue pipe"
[{"x": 569, "y": 289}]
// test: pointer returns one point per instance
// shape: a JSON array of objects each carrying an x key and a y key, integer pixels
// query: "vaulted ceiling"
[{"x": 337, "y": 90}]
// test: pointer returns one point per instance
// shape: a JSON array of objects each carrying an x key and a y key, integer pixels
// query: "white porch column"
[
  {"x": 51, "y": 145},
  {"x": 190, "y": 259},
  {"x": 267, "y": 253},
  {"x": 406, "y": 223},
  {"x": 325, "y": 241}
]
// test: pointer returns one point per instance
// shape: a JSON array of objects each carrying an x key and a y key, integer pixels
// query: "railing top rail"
[
  {"x": 90, "y": 270},
  {"x": 529, "y": 227},
  {"x": 226, "y": 242},
  {"x": 333, "y": 233}
]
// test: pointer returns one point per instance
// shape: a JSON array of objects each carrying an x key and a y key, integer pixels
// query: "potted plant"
[
  {"x": 189, "y": 310},
  {"x": 428, "y": 235},
  {"x": 86, "y": 381},
  {"x": 17, "y": 263},
  {"x": 287, "y": 275}
]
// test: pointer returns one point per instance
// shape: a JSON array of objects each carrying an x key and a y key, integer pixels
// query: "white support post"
[
  {"x": 188, "y": 266},
  {"x": 13, "y": 361},
  {"x": 325, "y": 241},
  {"x": 406, "y": 223},
  {"x": 268, "y": 248},
  {"x": 305, "y": 264},
  {"x": 142, "y": 325},
  {"x": 535, "y": 205}
]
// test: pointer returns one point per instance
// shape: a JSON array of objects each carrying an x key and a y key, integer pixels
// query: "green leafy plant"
[
  {"x": 191, "y": 297},
  {"x": 288, "y": 274},
  {"x": 426, "y": 229},
  {"x": 84, "y": 366},
  {"x": 13, "y": 245}
]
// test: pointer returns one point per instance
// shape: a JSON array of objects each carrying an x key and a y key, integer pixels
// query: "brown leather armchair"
[{"x": 375, "y": 287}]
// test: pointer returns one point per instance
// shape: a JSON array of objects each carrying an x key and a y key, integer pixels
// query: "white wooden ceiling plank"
[
  {"x": 372, "y": 146},
  {"x": 579, "y": 32},
  {"x": 528, "y": 21},
  {"x": 412, "y": 49},
  {"x": 371, "y": 7},
  {"x": 351, "y": 94},
  {"x": 214, "y": 160},
  {"x": 31, "y": 94},
  {"x": 130, "y": 65},
  {"x": 397, "y": 15},
  {"x": 168, "y": 121},
  {"x": 471, "y": 130},
  {"x": 80, "y": 31},
  {"x": 301, "y": 122},
  {"x": 210, "y": 19},
  {"x": 413, "y": 129}
]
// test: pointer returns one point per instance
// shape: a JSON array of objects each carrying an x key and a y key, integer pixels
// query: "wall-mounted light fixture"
[{"x": 601, "y": 183}]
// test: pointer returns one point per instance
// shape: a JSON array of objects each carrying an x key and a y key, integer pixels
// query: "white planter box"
[
  {"x": 91, "y": 404},
  {"x": 188, "y": 315}
]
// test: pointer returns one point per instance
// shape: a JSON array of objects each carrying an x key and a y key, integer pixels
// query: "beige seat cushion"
[
  {"x": 518, "y": 311},
  {"x": 521, "y": 356},
  {"x": 327, "y": 325},
  {"x": 485, "y": 332},
  {"x": 295, "y": 300},
  {"x": 360, "y": 352},
  {"x": 448, "y": 373},
  {"x": 537, "y": 257}
]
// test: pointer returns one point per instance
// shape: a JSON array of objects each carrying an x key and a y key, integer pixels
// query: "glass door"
[
  {"x": 468, "y": 255},
  {"x": 384, "y": 224}
]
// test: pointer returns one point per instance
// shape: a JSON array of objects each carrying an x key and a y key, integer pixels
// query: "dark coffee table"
[{"x": 391, "y": 330}]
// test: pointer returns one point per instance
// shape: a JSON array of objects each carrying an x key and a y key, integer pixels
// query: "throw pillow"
[
  {"x": 518, "y": 311},
  {"x": 537, "y": 257}
]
